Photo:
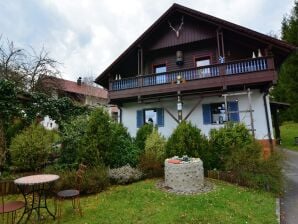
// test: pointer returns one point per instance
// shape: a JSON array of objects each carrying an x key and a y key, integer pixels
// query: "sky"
[{"x": 86, "y": 36}]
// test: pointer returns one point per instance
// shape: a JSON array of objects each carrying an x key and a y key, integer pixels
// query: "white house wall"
[
  {"x": 48, "y": 123},
  {"x": 129, "y": 113}
]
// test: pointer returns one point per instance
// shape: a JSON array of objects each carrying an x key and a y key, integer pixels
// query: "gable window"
[
  {"x": 215, "y": 113},
  {"x": 200, "y": 62},
  {"x": 159, "y": 70},
  {"x": 154, "y": 116}
]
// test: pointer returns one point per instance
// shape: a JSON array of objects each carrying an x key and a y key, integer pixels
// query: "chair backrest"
[
  {"x": 79, "y": 175},
  {"x": 7, "y": 187}
]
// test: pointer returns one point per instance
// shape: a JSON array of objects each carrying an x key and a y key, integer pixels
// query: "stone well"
[{"x": 184, "y": 176}]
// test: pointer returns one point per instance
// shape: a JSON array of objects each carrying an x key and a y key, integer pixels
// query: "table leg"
[{"x": 39, "y": 200}]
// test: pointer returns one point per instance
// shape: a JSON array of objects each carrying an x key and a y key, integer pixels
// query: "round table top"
[{"x": 36, "y": 179}]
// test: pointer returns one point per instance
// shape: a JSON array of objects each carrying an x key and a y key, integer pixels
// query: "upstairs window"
[
  {"x": 203, "y": 72},
  {"x": 202, "y": 62},
  {"x": 160, "y": 69},
  {"x": 215, "y": 113},
  {"x": 154, "y": 116}
]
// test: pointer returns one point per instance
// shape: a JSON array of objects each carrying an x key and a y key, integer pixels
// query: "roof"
[
  {"x": 204, "y": 17},
  {"x": 73, "y": 87},
  {"x": 279, "y": 105}
]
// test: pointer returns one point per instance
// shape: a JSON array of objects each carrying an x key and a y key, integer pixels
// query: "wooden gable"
[{"x": 191, "y": 31}]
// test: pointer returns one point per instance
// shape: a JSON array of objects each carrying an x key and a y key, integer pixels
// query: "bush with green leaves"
[
  {"x": 252, "y": 170},
  {"x": 187, "y": 139},
  {"x": 72, "y": 137},
  {"x": 224, "y": 140},
  {"x": 152, "y": 159},
  {"x": 31, "y": 148},
  {"x": 95, "y": 179},
  {"x": 123, "y": 149},
  {"x": 142, "y": 135},
  {"x": 96, "y": 139}
]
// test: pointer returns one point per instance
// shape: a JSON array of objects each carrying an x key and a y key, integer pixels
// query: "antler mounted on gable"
[{"x": 177, "y": 31}]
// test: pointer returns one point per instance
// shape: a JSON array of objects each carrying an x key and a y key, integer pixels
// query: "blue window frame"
[{"x": 153, "y": 115}]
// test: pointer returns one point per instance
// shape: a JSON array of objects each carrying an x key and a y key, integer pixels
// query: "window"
[
  {"x": 215, "y": 113},
  {"x": 114, "y": 116},
  {"x": 218, "y": 111},
  {"x": 150, "y": 116},
  {"x": 202, "y": 62},
  {"x": 158, "y": 69},
  {"x": 154, "y": 115},
  {"x": 203, "y": 72}
]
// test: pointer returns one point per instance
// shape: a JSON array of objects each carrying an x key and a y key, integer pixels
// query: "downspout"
[
  {"x": 120, "y": 115},
  {"x": 267, "y": 119}
]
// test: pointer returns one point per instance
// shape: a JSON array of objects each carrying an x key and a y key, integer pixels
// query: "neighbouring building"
[
  {"x": 81, "y": 93},
  {"x": 192, "y": 66}
]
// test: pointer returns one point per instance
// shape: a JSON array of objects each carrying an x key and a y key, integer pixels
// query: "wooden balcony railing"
[{"x": 210, "y": 71}]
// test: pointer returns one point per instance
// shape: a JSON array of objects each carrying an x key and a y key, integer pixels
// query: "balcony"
[{"x": 257, "y": 70}]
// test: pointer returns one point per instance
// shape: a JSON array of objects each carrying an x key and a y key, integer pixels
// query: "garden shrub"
[
  {"x": 95, "y": 179},
  {"x": 123, "y": 149},
  {"x": 187, "y": 139},
  {"x": 96, "y": 139},
  {"x": 252, "y": 170},
  {"x": 152, "y": 159},
  {"x": 125, "y": 174},
  {"x": 142, "y": 135},
  {"x": 224, "y": 140},
  {"x": 72, "y": 137},
  {"x": 31, "y": 148}
]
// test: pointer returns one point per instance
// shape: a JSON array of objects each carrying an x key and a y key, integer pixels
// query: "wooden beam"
[
  {"x": 169, "y": 112},
  {"x": 194, "y": 107}
]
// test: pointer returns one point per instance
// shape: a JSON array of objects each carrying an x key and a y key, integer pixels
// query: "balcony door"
[{"x": 160, "y": 71}]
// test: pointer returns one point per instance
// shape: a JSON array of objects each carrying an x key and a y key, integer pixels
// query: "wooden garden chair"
[{"x": 72, "y": 194}]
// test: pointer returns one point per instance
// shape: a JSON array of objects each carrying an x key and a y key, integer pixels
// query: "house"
[
  {"x": 192, "y": 66},
  {"x": 81, "y": 93}
]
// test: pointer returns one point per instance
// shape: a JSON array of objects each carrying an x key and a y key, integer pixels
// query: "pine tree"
[{"x": 287, "y": 87}]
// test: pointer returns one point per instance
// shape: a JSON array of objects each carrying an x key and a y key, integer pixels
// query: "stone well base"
[{"x": 186, "y": 177}]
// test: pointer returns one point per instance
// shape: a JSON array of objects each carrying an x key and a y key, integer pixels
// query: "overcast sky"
[{"x": 88, "y": 35}]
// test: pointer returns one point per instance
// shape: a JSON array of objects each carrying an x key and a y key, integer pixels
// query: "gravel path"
[{"x": 289, "y": 202}]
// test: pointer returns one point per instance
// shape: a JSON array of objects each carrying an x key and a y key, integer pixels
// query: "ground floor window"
[
  {"x": 215, "y": 113},
  {"x": 152, "y": 115},
  {"x": 218, "y": 113}
]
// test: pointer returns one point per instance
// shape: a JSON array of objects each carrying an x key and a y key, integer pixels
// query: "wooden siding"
[
  {"x": 191, "y": 31},
  {"x": 189, "y": 55}
]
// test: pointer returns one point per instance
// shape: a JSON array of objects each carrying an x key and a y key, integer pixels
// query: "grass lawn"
[
  {"x": 142, "y": 202},
  {"x": 289, "y": 131}
]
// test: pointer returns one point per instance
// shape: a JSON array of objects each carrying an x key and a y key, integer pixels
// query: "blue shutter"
[
  {"x": 233, "y": 106},
  {"x": 140, "y": 118},
  {"x": 160, "y": 117},
  {"x": 206, "y": 114}
]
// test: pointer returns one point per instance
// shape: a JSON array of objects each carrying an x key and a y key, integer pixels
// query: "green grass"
[
  {"x": 142, "y": 202},
  {"x": 289, "y": 131}
]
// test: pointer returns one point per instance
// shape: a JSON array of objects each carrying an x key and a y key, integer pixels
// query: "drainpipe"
[
  {"x": 267, "y": 119},
  {"x": 120, "y": 115}
]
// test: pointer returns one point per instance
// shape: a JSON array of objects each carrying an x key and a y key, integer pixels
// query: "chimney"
[{"x": 79, "y": 81}]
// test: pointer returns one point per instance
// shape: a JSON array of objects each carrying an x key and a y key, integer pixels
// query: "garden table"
[{"x": 35, "y": 189}]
